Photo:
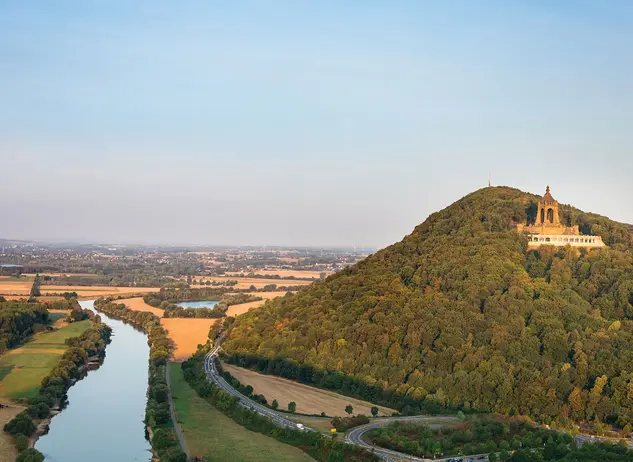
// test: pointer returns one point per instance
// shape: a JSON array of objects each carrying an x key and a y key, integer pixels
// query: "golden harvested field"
[
  {"x": 187, "y": 333},
  {"x": 309, "y": 400},
  {"x": 285, "y": 273},
  {"x": 236, "y": 310},
  {"x": 138, "y": 304},
  {"x": 24, "y": 288},
  {"x": 245, "y": 283},
  {"x": 7, "y": 448}
]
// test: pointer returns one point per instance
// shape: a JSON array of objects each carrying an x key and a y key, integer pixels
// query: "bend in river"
[{"x": 103, "y": 421}]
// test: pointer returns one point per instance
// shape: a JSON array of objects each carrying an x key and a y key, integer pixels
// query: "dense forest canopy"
[{"x": 461, "y": 314}]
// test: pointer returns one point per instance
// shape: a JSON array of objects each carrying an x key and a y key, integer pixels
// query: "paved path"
[{"x": 181, "y": 439}]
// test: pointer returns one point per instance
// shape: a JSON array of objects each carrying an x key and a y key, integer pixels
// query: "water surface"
[
  {"x": 201, "y": 304},
  {"x": 103, "y": 421}
]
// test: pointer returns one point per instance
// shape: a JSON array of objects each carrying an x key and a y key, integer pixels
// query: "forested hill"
[{"x": 459, "y": 313}]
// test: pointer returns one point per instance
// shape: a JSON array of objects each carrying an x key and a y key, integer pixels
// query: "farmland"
[
  {"x": 22, "y": 287},
  {"x": 22, "y": 369},
  {"x": 187, "y": 333},
  {"x": 309, "y": 400},
  {"x": 259, "y": 283},
  {"x": 236, "y": 310},
  {"x": 215, "y": 436},
  {"x": 138, "y": 304}
]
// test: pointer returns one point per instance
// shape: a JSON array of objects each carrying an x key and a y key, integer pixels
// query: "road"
[
  {"x": 277, "y": 417},
  {"x": 354, "y": 436}
]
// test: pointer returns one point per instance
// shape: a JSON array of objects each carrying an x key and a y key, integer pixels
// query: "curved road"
[{"x": 353, "y": 437}]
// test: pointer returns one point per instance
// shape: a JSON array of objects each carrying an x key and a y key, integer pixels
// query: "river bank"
[{"x": 104, "y": 418}]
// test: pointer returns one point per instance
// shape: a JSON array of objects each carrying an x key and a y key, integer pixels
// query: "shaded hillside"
[{"x": 460, "y": 314}]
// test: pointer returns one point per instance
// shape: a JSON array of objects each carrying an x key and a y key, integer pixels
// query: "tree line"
[
  {"x": 53, "y": 391},
  {"x": 157, "y": 413}
]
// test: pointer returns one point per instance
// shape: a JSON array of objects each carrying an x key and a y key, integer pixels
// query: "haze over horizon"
[{"x": 305, "y": 124}]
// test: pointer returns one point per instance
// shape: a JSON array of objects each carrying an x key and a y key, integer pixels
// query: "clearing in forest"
[
  {"x": 216, "y": 437},
  {"x": 22, "y": 369},
  {"x": 309, "y": 400}
]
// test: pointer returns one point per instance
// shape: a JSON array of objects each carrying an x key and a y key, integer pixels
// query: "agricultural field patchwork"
[{"x": 22, "y": 369}]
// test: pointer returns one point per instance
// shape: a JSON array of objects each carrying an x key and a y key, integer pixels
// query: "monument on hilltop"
[{"x": 548, "y": 230}]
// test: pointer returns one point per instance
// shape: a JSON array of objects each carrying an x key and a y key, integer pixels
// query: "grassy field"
[
  {"x": 22, "y": 369},
  {"x": 309, "y": 400},
  {"x": 215, "y": 436}
]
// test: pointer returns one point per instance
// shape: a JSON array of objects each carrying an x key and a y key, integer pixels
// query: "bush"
[
  {"x": 161, "y": 440},
  {"x": 21, "y": 442},
  {"x": 30, "y": 455},
  {"x": 21, "y": 424}
]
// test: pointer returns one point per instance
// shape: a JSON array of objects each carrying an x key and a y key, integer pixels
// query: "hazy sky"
[{"x": 304, "y": 123}]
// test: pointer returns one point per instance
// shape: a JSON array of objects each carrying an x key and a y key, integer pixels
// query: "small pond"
[{"x": 201, "y": 304}]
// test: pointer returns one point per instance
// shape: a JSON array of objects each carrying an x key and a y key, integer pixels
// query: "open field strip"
[
  {"x": 23, "y": 288},
  {"x": 284, "y": 273},
  {"x": 22, "y": 369},
  {"x": 216, "y": 437},
  {"x": 309, "y": 400},
  {"x": 138, "y": 304},
  {"x": 236, "y": 310},
  {"x": 245, "y": 283},
  {"x": 187, "y": 333}
]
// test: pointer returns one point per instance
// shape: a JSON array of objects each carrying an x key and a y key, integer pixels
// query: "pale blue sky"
[{"x": 304, "y": 123}]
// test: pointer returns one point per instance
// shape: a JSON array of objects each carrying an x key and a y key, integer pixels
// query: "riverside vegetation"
[
  {"x": 461, "y": 315},
  {"x": 157, "y": 415},
  {"x": 167, "y": 300},
  {"x": 90, "y": 345}
]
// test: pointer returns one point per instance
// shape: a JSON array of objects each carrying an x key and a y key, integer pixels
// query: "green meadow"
[
  {"x": 22, "y": 369},
  {"x": 210, "y": 433}
]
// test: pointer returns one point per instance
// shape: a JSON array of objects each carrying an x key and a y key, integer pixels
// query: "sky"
[{"x": 294, "y": 122}]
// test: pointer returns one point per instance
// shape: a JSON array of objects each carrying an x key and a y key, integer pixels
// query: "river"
[{"x": 103, "y": 421}]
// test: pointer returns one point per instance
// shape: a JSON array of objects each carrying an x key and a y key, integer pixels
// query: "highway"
[
  {"x": 354, "y": 436},
  {"x": 277, "y": 417}
]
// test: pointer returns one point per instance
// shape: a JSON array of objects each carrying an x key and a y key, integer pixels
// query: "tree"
[
  {"x": 292, "y": 406},
  {"x": 374, "y": 411},
  {"x": 274, "y": 404},
  {"x": 349, "y": 409},
  {"x": 21, "y": 442},
  {"x": 35, "y": 289},
  {"x": 161, "y": 439}
]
